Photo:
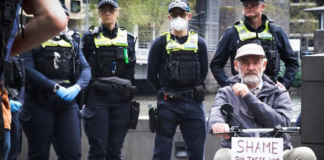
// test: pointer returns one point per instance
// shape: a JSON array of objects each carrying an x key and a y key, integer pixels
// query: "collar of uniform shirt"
[
  {"x": 109, "y": 33},
  {"x": 257, "y": 89}
]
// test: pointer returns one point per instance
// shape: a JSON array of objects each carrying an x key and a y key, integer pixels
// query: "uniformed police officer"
[
  {"x": 56, "y": 72},
  {"x": 15, "y": 85},
  {"x": 110, "y": 52},
  {"x": 47, "y": 18},
  {"x": 255, "y": 27},
  {"x": 177, "y": 69}
]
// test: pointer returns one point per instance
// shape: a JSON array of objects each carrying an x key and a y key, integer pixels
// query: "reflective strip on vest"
[
  {"x": 245, "y": 34},
  {"x": 120, "y": 40},
  {"x": 190, "y": 45},
  {"x": 52, "y": 43}
]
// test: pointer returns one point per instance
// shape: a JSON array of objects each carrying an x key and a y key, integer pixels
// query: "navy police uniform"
[
  {"x": 176, "y": 66},
  {"x": 44, "y": 114},
  {"x": 111, "y": 55},
  {"x": 233, "y": 38},
  {"x": 15, "y": 85}
]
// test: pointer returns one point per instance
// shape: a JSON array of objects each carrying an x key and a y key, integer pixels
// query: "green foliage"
[
  {"x": 132, "y": 13},
  {"x": 93, "y": 19},
  {"x": 307, "y": 22},
  {"x": 297, "y": 82}
]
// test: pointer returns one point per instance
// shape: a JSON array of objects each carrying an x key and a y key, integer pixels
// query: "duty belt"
[
  {"x": 107, "y": 87},
  {"x": 177, "y": 94}
]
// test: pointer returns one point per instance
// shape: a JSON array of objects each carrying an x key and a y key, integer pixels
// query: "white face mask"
[{"x": 178, "y": 23}]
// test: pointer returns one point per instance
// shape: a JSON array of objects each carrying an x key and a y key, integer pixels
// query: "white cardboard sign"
[{"x": 250, "y": 148}]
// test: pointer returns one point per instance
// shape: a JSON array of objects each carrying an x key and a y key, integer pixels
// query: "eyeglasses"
[
  {"x": 176, "y": 14},
  {"x": 110, "y": 10},
  {"x": 252, "y": 3}
]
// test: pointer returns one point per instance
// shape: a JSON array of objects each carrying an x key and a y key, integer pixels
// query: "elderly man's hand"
[
  {"x": 219, "y": 128},
  {"x": 240, "y": 89},
  {"x": 280, "y": 85}
]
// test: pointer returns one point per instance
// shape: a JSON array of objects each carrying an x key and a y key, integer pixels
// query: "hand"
[
  {"x": 71, "y": 93},
  {"x": 14, "y": 105},
  {"x": 280, "y": 85},
  {"x": 240, "y": 89},
  {"x": 61, "y": 91},
  {"x": 221, "y": 127}
]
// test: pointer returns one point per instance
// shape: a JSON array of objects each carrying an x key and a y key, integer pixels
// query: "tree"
[
  {"x": 303, "y": 23},
  {"x": 132, "y": 13},
  {"x": 91, "y": 16}
]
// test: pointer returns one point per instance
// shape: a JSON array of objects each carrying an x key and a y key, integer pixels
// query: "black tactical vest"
[
  {"x": 7, "y": 18},
  {"x": 110, "y": 57},
  {"x": 182, "y": 67},
  {"x": 57, "y": 60}
]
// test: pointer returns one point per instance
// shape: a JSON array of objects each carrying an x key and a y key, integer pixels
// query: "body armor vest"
[
  {"x": 58, "y": 61},
  {"x": 110, "y": 57},
  {"x": 182, "y": 68},
  {"x": 7, "y": 17},
  {"x": 267, "y": 41}
]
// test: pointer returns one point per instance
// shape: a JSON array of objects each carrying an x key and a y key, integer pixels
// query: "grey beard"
[{"x": 250, "y": 79}]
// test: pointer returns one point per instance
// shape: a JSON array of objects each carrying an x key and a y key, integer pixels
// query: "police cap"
[
  {"x": 112, "y": 2},
  {"x": 183, "y": 4}
]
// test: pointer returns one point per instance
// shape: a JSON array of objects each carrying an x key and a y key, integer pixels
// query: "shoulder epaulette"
[
  {"x": 193, "y": 31},
  {"x": 122, "y": 28},
  {"x": 91, "y": 28},
  {"x": 164, "y": 33},
  {"x": 79, "y": 34},
  {"x": 95, "y": 31},
  {"x": 131, "y": 35},
  {"x": 237, "y": 22}
]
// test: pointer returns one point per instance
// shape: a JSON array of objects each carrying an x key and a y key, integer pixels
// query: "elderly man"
[{"x": 256, "y": 101}]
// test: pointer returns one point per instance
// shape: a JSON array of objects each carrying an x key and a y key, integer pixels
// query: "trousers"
[
  {"x": 191, "y": 117},
  {"x": 15, "y": 137},
  {"x": 55, "y": 118},
  {"x": 105, "y": 120}
]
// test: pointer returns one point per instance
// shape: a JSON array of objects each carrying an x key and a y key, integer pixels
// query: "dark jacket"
[
  {"x": 227, "y": 48},
  {"x": 157, "y": 57},
  {"x": 270, "y": 107}
]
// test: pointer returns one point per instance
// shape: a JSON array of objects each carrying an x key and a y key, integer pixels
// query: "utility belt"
[
  {"x": 127, "y": 91},
  {"x": 42, "y": 95},
  {"x": 197, "y": 93}
]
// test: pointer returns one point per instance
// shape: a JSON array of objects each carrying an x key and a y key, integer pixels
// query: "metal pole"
[
  {"x": 322, "y": 23},
  {"x": 87, "y": 14}
]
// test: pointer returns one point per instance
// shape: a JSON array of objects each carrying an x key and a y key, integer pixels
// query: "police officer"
[
  {"x": 110, "y": 52},
  {"x": 177, "y": 69},
  {"x": 56, "y": 72},
  {"x": 47, "y": 17},
  {"x": 15, "y": 85},
  {"x": 255, "y": 27}
]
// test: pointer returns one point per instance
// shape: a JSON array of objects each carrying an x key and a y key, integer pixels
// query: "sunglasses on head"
[{"x": 252, "y": 3}]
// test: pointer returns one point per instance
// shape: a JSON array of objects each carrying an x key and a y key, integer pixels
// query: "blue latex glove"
[
  {"x": 14, "y": 105},
  {"x": 71, "y": 93},
  {"x": 61, "y": 91}
]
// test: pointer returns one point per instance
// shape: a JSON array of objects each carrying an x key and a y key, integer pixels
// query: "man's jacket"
[{"x": 270, "y": 107}]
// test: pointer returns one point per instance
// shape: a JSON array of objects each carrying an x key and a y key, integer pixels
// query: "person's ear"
[
  {"x": 236, "y": 66},
  {"x": 189, "y": 16},
  {"x": 265, "y": 65},
  {"x": 169, "y": 17}
]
